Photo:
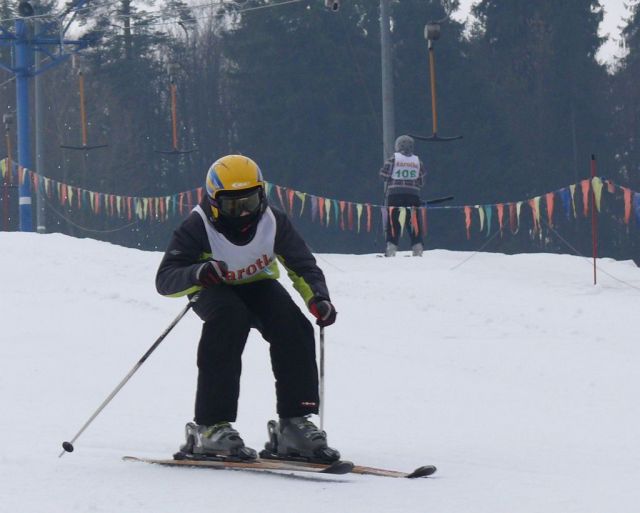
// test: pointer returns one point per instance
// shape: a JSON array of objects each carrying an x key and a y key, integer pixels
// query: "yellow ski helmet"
[{"x": 235, "y": 185}]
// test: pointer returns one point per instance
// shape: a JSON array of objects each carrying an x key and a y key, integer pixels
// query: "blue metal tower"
[{"x": 50, "y": 41}]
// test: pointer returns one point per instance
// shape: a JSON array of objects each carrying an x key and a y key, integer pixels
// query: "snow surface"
[{"x": 515, "y": 375}]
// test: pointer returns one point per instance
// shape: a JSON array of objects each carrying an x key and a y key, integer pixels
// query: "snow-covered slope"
[{"x": 513, "y": 374}]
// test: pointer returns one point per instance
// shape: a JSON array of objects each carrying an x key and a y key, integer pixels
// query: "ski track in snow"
[{"x": 513, "y": 374}]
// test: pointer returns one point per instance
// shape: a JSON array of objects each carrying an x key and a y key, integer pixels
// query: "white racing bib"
[
  {"x": 246, "y": 262},
  {"x": 405, "y": 168}
]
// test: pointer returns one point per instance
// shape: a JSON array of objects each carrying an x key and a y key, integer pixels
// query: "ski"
[
  {"x": 336, "y": 468},
  {"x": 424, "y": 471}
]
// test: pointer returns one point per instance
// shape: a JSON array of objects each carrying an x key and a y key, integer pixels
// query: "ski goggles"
[{"x": 235, "y": 206}]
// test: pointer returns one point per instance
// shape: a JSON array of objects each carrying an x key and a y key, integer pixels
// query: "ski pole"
[
  {"x": 68, "y": 446},
  {"x": 321, "y": 377}
]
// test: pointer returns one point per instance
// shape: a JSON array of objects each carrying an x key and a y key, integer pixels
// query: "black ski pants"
[
  {"x": 393, "y": 224},
  {"x": 229, "y": 312}
]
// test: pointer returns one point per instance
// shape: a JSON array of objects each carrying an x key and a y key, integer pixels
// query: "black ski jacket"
[{"x": 189, "y": 248}]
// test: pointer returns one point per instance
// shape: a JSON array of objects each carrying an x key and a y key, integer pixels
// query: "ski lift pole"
[
  {"x": 431, "y": 34},
  {"x": 432, "y": 75},
  {"x": 173, "y": 92},
  {"x": 83, "y": 120},
  {"x": 83, "y": 113},
  {"x": 174, "y": 116}
]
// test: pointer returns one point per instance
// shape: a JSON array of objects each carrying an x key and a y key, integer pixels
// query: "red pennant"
[
  {"x": 321, "y": 209},
  {"x": 627, "y": 205},
  {"x": 550, "y": 197},
  {"x": 584, "y": 184},
  {"x": 500, "y": 208},
  {"x": 290, "y": 195},
  {"x": 467, "y": 220}
]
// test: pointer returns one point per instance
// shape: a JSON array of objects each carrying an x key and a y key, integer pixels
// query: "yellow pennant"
[{"x": 596, "y": 183}]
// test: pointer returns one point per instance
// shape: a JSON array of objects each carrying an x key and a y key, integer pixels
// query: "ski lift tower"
[{"x": 25, "y": 41}]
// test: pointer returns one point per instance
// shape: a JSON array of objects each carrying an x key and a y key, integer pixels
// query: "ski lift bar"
[
  {"x": 174, "y": 118},
  {"x": 432, "y": 33},
  {"x": 83, "y": 120}
]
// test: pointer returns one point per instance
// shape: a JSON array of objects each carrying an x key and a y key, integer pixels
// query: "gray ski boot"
[
  {"x": 417, "y": 249},
  {"x": 391, "y": 249},
  {"x": 219, "y": 440},
  {"x": 297, "y": 438}
]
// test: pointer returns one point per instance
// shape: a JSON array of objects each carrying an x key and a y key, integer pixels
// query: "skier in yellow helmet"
[{"x": 228, "y": 250}]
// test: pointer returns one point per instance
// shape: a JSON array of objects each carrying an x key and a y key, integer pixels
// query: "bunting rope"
[{"x": 344, "y": 214}]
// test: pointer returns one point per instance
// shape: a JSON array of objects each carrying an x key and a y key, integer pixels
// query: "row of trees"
[{"x": 298, "y": 88}]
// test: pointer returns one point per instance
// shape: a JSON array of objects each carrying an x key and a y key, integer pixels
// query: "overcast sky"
[{"x": 615, "y": 12}]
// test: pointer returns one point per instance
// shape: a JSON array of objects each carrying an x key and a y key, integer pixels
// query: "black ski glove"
[
  {"x": 211, "y": 273},
  {"x": 324, "y": 312}
]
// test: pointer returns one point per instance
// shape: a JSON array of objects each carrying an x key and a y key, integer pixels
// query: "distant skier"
[
  {"x": 403, "y": 176},
  {"x": 227, "y": 249}
]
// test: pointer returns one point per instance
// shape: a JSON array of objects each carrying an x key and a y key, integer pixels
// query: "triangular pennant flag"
[
  {"x": 392, "y": 228},
  {"x": 481, "y": 215},
  {"x": 500, "y": 209},
  {"x": 627, "y": 204},
  {"x": 549, "y": 197},
  {"x": 513, "y": 221},
  {"x": 584, "y": 184},
  {"x": 350, "y": 216},
  {"x": 423, "y": 211},
  {"x": 488, "y": 211},
  {"x": 402, "y": 218},
  {"x": 302, "y": 196},
  {"x": 291, "y": 193},
  {"x": 342, "y": 205},
  {"x": 415, "y": 227},
  {"x": 279, "y": 194},
  {"x": 596, "y": 184},
  {"x": 359, "y": 208},
  {"x": 314, "y": 207},
  {"x": 565, "y": 196},
  {"x": 636, "y": 206},
  {"x": 572, "y": 189},
  {"x": 384, "y": 214},
  {"x": 467, "y": 220},
  {"x": 369, "y": 218},
  {"x": 321, "y": 210}
]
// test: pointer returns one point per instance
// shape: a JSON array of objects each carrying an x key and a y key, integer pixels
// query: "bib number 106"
[{"x": 405, "y": 174}]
